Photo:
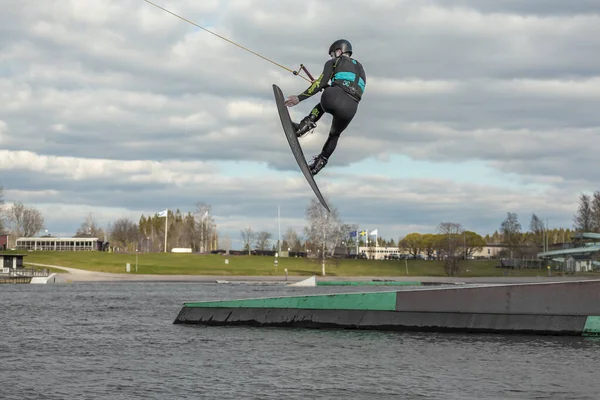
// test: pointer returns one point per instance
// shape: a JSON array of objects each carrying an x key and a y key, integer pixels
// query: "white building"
[
  {"x": 490, "y": 251},
  {"x": 380, "y": 253},
  {"x": 384, "y": 253},
  {"x": 50, "y": 243}
]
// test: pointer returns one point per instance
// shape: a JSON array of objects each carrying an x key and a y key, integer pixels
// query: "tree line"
[
  {"x": 451, "y": 242},
  {"x": 322, "y": 235},
  {"x": 196, "y": 230}
]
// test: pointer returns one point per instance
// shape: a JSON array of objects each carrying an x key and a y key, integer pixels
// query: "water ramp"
[{"x": 555, "y": 308}]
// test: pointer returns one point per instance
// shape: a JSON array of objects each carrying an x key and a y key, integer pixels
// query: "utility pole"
[
  {"x": 324, "y": 239},
  {"x": 547, "y": 241},
  {"x": 465, "y": 243}
]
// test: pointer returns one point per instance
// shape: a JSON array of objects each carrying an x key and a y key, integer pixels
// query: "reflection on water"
[{"x": 118, "y": 341}]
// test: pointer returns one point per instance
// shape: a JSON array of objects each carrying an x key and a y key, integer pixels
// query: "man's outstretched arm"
[{"x": 320, "y": 83}]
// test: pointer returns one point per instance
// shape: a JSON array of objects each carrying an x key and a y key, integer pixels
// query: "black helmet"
[{"x": 341, "y": 44}]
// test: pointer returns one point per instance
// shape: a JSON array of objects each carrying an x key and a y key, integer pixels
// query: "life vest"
[{"x": 349, "y": 75}]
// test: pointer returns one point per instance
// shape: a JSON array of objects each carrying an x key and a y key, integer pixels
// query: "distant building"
[
  {"x": 51, "y": 243},
  {"x": 578, "y": 263},
  {"x": 490, "y": 251},
  {"x": 377, "y": 253},
  {"x": 3, "y": 241},
  {"x": 10, "y": 262},
  {"x": 579, "y": 256},
  {"x": 181, "y": 250}
]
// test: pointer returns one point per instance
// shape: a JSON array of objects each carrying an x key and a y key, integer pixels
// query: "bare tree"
[
  {"x": 16, "y": 216},
  {"x": 536, "y": 228},
  {"x": 33, "y": 222},
  {"x": 323, "y": 228},
  {"x": 292, "y": 240},
  {"x": 125, "y": 233},
  {"x": 452, "y": 243},
  {"x": 26, "y": 221},
  {"x": 595, "y": 225},
  {"x": 247, "y": 238},
  {"x": 90, "y": 227},
  {"x": 262, "y": 240},
  {"x": 511, "y": 231},
  {"x": 584, "y": 218}
]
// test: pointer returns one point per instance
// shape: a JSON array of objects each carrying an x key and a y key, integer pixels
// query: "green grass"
[{"x": 194, "y": 264}]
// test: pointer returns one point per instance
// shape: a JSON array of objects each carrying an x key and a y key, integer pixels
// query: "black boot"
[
  {"x": 304, "y": 126},
  {"x": 317, "y": 164}
]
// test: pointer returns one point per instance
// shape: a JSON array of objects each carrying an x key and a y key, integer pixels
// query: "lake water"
[{"x": 118, "y": 341}]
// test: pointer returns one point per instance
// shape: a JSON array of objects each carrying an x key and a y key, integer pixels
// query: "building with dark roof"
[{"x": 52, "y": 243}]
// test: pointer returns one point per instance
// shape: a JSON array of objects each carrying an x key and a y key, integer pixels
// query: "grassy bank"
[{"x": 194, "y": 264}]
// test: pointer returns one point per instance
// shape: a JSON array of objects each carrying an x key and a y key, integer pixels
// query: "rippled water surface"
[{"x": 118, "y": 341}]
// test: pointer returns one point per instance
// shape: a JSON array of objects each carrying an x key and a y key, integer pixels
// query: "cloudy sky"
[{"x": 472, "y": 109}]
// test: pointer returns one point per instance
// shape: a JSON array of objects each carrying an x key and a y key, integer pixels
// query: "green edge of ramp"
[
  {"x": 592, "y": 326},
  {"x": 382, "y": 301}
]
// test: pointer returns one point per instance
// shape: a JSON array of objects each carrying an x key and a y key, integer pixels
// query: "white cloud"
[
  {"x": 71, "y": 168},
  {"x": 396, "y": 87},
  {"x": 121, "y": 107},
  {"x": 247, "y": 109},
  {"x": 585, "y": 88},
  {"x": 3, "y": 133}
]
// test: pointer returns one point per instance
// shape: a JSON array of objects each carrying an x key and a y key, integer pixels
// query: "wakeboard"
[{"x": 288, "y": 129}]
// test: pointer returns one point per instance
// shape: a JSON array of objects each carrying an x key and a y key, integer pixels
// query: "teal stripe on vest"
[{"x": 346, "y": 76}]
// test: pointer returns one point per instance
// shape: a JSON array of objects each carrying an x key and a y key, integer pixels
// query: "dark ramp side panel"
[
  {"x": 564, "y": 308},
  {"x": 383, "y": 320},
  {"x": 559, "y": 298},
  {"x": 302, "y": 318}
]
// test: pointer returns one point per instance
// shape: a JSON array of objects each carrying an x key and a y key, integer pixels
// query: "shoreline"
[{"x": 79, "y": 275}]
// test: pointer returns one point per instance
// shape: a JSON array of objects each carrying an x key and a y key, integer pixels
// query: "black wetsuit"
[{"x": 340, "y": 99}]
